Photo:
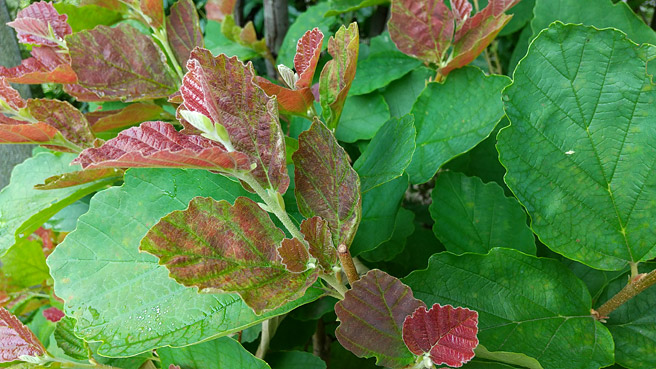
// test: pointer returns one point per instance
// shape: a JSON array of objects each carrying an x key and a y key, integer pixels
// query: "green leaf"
[
  {"x": 384, "y": 64},
  {"x": 326, "y": 184},
  {"x": 217, "y": 43},
  {"x": 469, "y": 109},
  {"x": 472, "y": 216},
  {"x": 632, "y": 324},
  {"x": 528, "y": 305},
  {"x": 216, "y": 246},
  {"x": 401, "y": 94},
  {"x": 580, "y": 155},
  {"x": 379, "y": 208},
  {"x": 294, "y": 360},
  {"x": 310, "y": 18},
  {"x": 25, "y": 264},
  {"x": 522, "y": 14},
  {"x": 388, "y": 153},
  {"x": 36, "y": 206},
  {"x": 344, "y": 6},
  {"x": 362, "y": 117},
  {"x": 81, "y": 17},
  {"x": 68, "y": 341},
  {"x": 221, "y": 353},
  {"x": 135, "y": 306},
  {"x": 404, "y": 226}
]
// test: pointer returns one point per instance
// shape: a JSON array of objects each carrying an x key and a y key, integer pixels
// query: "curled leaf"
[
  {"x": 16, "y": 340},
  {"x": 317, "y": 234},
  {"x": 41, "y": 24},
  {"x": 10, "y": 99},
  {"x": 79, "y": 177},
  {"x": 308, "y": 50},
  {"x": 183, "y": 30}
]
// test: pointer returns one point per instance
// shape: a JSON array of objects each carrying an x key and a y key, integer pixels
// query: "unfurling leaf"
[
  {"x": 222, "y": 89},
  {"x": 326, "y": 184},
  {"x": 371, "y": 319},
  {"x": 245, "y": 36},
  {"x": 79, "y": 177},
  {"x": 16, "y": 340},
  {"x": 133, "y": 68},
  {"x": 294, "y": 255},
  {"x": 183, "y": 30},
  {"x": 53, "y": 314},
  {"x": 159, "y": 145},
  {"x": 41, "y": 24},
  {"x": 297, "y": 97},
  {"x": 445, "y": 333},
  {"x": 317, "y": 235},
  {"x": 105, "y": 120},
  {"x": 213, "y": 245},
  {"x": 337, "y": 75}
]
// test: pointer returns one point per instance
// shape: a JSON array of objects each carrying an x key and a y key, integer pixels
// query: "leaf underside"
[{"x": 16, "y": 339}]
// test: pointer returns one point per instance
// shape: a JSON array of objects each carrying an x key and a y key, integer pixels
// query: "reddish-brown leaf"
[
  {"x": 79, "y": 177},
  {"x": 308, "y": 50},
  {"x": 317, "y": 234},
  {"x": 445, "y": 333},
  {"x": 53, "y": 314},
  {"x": 61, "y": 115},
  {"x": 337, "y": 75},
  {"x": 183, "y": 30},
  {"x": 296, "y": 102},
  {"x": 10, "y": 96},
  {"x": 46, "y": 65},
  {"x": 423, "y": 29},
  {"x": 218, "y": 9},
  {"x": 13, "y": 131},
  {"x": 294, "y": 255},
  {"x": 115, "y": 5},
  {"x": 326, "y": 184},
  {"x": 33, "y": 25},
  {"x": 217, "y": 246},
  {"x": 16, "y": 340},
  {"x": 461, "y": 10},
  {"x": 83, "y": 94},
  {"x": 120, "y": 63},
  {"x": 371, "y": 319},
  {"x": 223, "y": 90},
  {"x": 154, "y": 10},
  {"x": 132, "y": 114},
  {"x": 159, "y": 145}
]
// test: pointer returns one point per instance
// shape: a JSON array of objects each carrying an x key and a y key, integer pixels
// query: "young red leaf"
[
  {"x": 461, "y": 10},
  {"x": 337, "y": 75},
  {"x": 326, "y": 184},
  {"x": 308, "y": 50},
  {"x": 294, "y": 255},
  {"x": 61, "y": 115},
  {"x": 41, "y": 24},
  {"x": 295, "y": 102},
  {"x": 159, "y": 145},
  {"x": 445, "y": 333},
  {"x": 79, "y": 177},
  {"x": 371, "y": 318},
  {"x": 183, "y": 30},
  {"x": 10, "y": 97},
  {"x": 218, "y": 9},
  {"x": 47, "y": 65},
  {"x": 105, "y": 120},
  {"x": 423, "y": 29},
  {"x": 222, "y": 89},
  {"x": 83, "y": 94},
  {"x": 53, "y": 314},
  {"x": 16, "y": 340},
  {"x": 213, "y": 245},
  {"x": 115, "y": 5},
  {"x": 317, "y": 235},
  {"x": 133, "y": 68},
  {"x": 154, "y": 10},
  {"x": 13, "y": 131}
]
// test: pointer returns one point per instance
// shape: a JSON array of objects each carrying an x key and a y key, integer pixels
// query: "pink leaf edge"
[{"x": 33, "y": 25}]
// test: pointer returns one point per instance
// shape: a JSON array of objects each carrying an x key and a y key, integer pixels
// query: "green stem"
[
  {"x": 332, "y": 282},
  {"x": 634, "y": 269},
  {"x": 160, "y": 35}
]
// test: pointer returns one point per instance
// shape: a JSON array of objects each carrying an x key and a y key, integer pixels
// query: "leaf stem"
[
  {"x": 634, "y": 269},
  {"x": 347, "y": 264},
  {"x": 332, "y": 282},
  {"x": 269, "y": 328},
  {"x": 635, "y": 286},
  {"x": 160, "y": 35}
]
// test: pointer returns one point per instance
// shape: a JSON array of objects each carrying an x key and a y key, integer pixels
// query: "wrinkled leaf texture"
[
  {"x": 183, "y": 30},
  {"x": 33, "y": 25},
  {"x": 16, "y": 340}
]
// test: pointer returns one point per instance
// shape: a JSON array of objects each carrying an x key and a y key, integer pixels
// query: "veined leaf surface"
[
  {"x": 16, "y": 340},
  {"x": 183, "y": 30},
  {"x": 33, "y": 25}
]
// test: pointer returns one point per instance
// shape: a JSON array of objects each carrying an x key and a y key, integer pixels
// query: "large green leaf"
[
  {"x": 362, "y": 117},
  {"x": 24, "y": 209},
  {"x": 401, "y": 94},
  {"x": 344, "y": 6},
  {"x": 469, "y": 108},
  {"x": 404, "y": 226},
  {"x": 135, "y": 306},
  {"x": 579, "y": 150},
  {"x": 472, "y": 216},
  {"x": 221, "y": 353},
  {"x": 528, "y": 305},
  {"x": 294, "y": 360}
]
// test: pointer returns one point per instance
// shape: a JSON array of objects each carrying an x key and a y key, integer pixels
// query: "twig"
[
  {"x": 347, "y": 264},
  {"x": 635, "y": 286}
]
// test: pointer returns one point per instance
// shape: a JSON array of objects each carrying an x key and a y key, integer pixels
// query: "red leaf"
[
  {"x": 326, "y": 184},
  {"x": 290, "y": 101},
  {"x": 61, "y": 115},
  {"x": 120, "y": 63},
  {"x": 423, "y": 29},
  {"x": 461, "y": 10},
  {"x": 218, "y": 9},
  {"x": 16, "y": 340},
  {"x": 317, "y": 235},
  {"x": 115, "y": 5},
  {"x": 308, "y": 50},
  {"x": 159, "y": 145},
  {"x": 223, "y": 90},
  {"x": 154, "y": 10},
  {"x": 445, "y": 333},
  {"x": 217, "y": 246},
  {"x": 102, "y": 121},
  {"x": 10, "y": 96},
  {"x": 46, "y": 65},
  {"x": 371, "y": 318},
  {"x": 13, "y": 131},
  {"x": 79, "y": 177},
  {"x": 82, "y": 94},
  {"x": 53, "y": 314},
  {"x": 294, "y": 255},
  {"x": 183, "y": 30},
  {"x": 33, "y": 25}
]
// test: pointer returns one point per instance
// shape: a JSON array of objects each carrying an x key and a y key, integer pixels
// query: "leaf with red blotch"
[
  {"x": 159, "y": 145},
  {"x": 133, "y": 67},
  {"x": 294, "y": 255},
  {"x": 154, "y": 10},
  {"x": 423, "y": 29},
  {"x": 183, "y": 30},
  {"x": 40, "y": 24},
  {"x": 326, "y": 184},
  {"x": 371, "y": 319},
  {"x": 308, "y": 50},
  {"x": 445, "y": 333},
  {"x": 337, "y": 75},
  {"x": 222, "y": 89},
  {"x": 214, "y": 245},
  {"x": 47, "y": 65},
  {"x": 218, "y": 9},
  {"x": 53, "y": 314},
  {"x": 61, "y": 115},
  {"x": 105, "y": 120},
  {"x": 16, "y": 340},
  {"x": 79, "y": 177},
  {"x": 317, "y": 235}
]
